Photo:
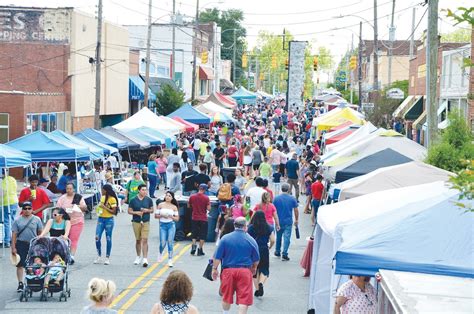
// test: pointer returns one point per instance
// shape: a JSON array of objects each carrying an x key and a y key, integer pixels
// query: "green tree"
[
  {"x": 463, "y": 181},
  {"x": 454, "y": 147},
  {"x": 461, "y": 35},
  {"x": 228, "y": 21},
  {"x": 168, "y": 99}
]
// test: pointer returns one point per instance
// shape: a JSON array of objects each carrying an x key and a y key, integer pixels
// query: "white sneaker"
[
  {"x": 138, "y": 260},
  {"x": 145, "y": 262},
  {"x": 98, "y": 260},
  {"x": 107, "y": 261},
  {"x": 170, "y": 263},
  {"x": 160, "y": 257}
]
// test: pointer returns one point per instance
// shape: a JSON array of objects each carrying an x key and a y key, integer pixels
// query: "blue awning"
[
  {"x": 136, "y": 88},
  {"x": 11, "y": 157}
]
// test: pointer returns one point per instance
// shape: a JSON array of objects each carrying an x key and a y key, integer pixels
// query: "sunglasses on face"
[
  {"x": 27, "y": 208},
  {"x": 55, "y": 215}
]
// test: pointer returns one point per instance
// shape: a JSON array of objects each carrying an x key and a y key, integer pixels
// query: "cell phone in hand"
[{"x": 297, "y": 232}]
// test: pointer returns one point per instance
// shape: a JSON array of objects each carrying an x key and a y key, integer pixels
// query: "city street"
[{"x": 138, "y": 288}]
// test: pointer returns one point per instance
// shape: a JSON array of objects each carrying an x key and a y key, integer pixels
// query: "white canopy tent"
[
  {"x": 334, "y": 217},
  {"x": 146, "y": 118},
  {"x": 212, "y": 108},
  {"x": 362, "y": 133}
]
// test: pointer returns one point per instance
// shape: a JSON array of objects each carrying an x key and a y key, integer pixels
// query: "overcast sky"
[{"x": 313, "y": 21}]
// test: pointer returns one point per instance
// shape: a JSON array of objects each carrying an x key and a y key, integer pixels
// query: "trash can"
[{"x": 226, "y": 171}]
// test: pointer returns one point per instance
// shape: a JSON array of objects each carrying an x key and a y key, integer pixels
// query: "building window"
[
  {"x": 4, "y": 122},
  {"x": 47, "y": 122},
  {"x": 203, "y": 87}
]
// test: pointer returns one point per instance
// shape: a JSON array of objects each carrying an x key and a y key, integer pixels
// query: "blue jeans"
[
  {"x": 9, "y": 217},
  {"x": 164, "y": 178},
  {"x": 107, "y": 225},
  {"x": 167, "y": 232},
  {"x": 315, "y": 203},
  {"x": 151, "y": 190},
  {"x": 285, "y": 231}
]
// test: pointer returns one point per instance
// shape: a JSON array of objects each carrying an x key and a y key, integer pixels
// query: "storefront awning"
[
  {"x": 414, "y": 110},
  {"x": 206, "y": 73},
  {"x": 418, "y": 123},
  {"x": 136, "y": 88}
]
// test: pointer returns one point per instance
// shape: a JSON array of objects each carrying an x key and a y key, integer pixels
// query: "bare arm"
[
  {"x": 297, "y": 214},
  {"x": 46, "y": 228},
  {"x": 39, "y": 210},
  {"x": 272, "y": 240},
  {"x": 67, "y": 230},
  {"x": 339, "y": 302}
]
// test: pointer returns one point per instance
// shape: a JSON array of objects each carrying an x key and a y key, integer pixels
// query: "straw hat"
[{"x": 15, "y": 259}]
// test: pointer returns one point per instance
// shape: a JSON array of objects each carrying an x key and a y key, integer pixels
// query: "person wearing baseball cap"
[
  {"x": 26, "y": 227},
  {"x": 200, "y": 205}
]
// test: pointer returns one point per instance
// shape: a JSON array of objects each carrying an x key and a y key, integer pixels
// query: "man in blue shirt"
[
  {"x": 239, "y": 255},
  {"x": 65, "y": 178},
  {"x": 292, "y": 173},
  {"x": 286, "y": 205}
]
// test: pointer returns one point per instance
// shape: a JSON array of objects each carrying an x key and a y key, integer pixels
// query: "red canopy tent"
[
  {"x": 342, "y": 126},
  {"x": 190, "y": 127},
  {"x": 226, "y": 99},
  {"x": 340, "y": 136}
]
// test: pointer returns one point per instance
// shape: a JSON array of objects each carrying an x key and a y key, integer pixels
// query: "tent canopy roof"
[
  {"x": 341, "y": 117},
  {"x": 95, "y": 151},
  {"x": 360, "y": 134},
  {"x": 190, "y": 114},
  {"x": 212, "y": 108},
  {"x": 132, "y": 142},
  {"x": 103, "y": 138},
  {"x": 107, "y": 148},
  {"x": 426, "y": 239},
  {"x": 44, "y": 147},
  {"x": 11, "y": 157},
  {"x": 221, "y": 100},
  {"x": 242, "y": 92},
  {"x": 145, "y": 117},
  {"x": 190, "y": 127}
]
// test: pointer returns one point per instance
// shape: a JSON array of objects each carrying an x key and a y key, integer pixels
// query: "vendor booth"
[
  {"x": 190, "y": 114},
  {"x": 244, "y": 97}
]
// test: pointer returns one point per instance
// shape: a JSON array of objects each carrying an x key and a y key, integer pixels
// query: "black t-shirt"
[
  {"x": 137, "y": 204},
  {"x": 201, "y": 178},
  {"x": 218, "y": 152},
  {"x": 189, "y": 182}
]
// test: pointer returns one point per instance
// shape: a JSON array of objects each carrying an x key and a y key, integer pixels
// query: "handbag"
[{"x": 208, "y": 271}]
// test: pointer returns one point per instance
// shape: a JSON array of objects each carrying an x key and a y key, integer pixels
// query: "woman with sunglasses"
[
  {"x": 167, "y": 213},
  {"x": 356, "y": 296},
  {"x": 59, "y": 225},
  {"x": 106, "y": 210}
]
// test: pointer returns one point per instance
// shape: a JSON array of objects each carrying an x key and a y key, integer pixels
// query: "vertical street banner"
[{"x": 296, "y": 75}]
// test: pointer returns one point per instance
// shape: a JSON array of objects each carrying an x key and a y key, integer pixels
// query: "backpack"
[{"x": 225, "y": 192}]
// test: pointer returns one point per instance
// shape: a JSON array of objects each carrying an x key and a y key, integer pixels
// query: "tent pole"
[
  {"x": 3, "y": 212},
  {"x": 77, "y": 177}
]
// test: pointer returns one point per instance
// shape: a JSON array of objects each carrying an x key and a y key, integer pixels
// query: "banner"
[{"x": 296, "y": 75}]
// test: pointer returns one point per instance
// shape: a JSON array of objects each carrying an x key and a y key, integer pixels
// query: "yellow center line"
[
  {"x": 138, "y": 280},
  {"x": 147, "y": 285}
]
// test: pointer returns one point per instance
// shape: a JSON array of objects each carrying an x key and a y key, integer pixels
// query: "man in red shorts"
[{"x": 238, "y": 253}]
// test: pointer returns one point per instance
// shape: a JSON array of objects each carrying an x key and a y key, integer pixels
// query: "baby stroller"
[{"x": 45, "y": 248}]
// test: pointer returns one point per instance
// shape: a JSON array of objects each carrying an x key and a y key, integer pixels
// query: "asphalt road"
[{"x": 138, "y": 288}]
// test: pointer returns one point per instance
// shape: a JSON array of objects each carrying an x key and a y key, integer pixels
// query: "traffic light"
[
  {"x": 274, "y": 62},
  {"x": 204, "y": 57},
  {"x": 315, "y": 63},
  {"x": 286, "y": 64},
  {"x": 244, "y": 60},
  {"x": 353, "y": 63}
]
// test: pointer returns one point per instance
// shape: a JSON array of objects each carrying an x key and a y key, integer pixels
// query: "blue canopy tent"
[
  {"x": 96, "y": 152},
  {"x": 244, "y": 96},
  {"x": 170, "y": 139},
  {"x": 107, "y": 148},
  {"x": 433, "y": 240},
  {"x": 132, "y": 142},
  {"x": 153, "y": 140},
  {"x": 11, "y": 157},
  {"x": 136, "y": 89},
  {"x": 44, "y": 147},
  {"x": 103, "y": 138},
  {"x": 384, "y": 158},
  {"x": 190, "y": 114}
]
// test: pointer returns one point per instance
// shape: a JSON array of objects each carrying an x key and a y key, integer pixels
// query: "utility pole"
[
  {"x": 359, "y": 65},
  {"x": 412, "y": 37},
  {"x": 390, "y": 50},
  {"x": 148, "y": 48},
  {"x": 195, "y": 50},
  {"x": 98, "y": 64},
  {"x": 173, "y": 44},
  {"x": 376, "y": 54},
  {"x": 248, "y": 72},
  {"x": 431, "y": 71},
  {"x": 233, "y": 60},
  {"x": 351, "y": 73}
]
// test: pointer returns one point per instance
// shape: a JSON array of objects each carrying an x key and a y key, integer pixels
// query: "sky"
[{"x": 312, "y": 21}]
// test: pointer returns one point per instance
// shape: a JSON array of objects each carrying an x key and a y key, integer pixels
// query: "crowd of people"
[{"x": 255, "y": 169}]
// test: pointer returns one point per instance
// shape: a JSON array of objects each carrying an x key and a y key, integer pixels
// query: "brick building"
[{"x": 46, "y": 79}]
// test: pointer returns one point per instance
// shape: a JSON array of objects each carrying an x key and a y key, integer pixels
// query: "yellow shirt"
[
  {"x": 101, "y": 211},
  {"x": 202, "y": 148},
  {"x": 9, "y": 191},
  {"x": 269, "y": 150}
]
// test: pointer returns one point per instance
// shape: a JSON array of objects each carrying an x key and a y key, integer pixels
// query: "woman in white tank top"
[{"x": 167, "y": 213}]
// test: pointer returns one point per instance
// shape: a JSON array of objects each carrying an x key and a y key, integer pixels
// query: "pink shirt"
[
  {"x": 269, "y": 210},
  {"x": 237, "y": 211},
  {"x": 275, "y": 157},
  {"x": 357, "y": 301},
  {"x": 65, "y": 201},
  {"x": 162, "y": 164}
]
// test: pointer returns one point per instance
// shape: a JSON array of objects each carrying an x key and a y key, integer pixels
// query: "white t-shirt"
[
  {"x": 255, "y": 194},
  {"x": 196, "y": 144}
]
